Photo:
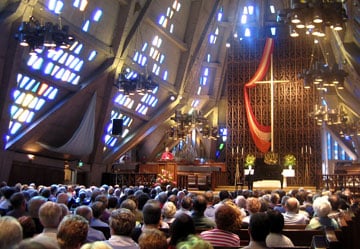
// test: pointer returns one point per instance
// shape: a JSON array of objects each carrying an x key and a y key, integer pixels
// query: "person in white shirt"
[
  {"x": 292, "y": 215},
  {"x": 275, "y": 238}
]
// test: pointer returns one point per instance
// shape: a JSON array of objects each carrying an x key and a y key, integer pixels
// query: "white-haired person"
[{"x": 321, "y": 220}]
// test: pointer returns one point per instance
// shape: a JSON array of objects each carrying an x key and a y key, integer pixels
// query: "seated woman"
[
  {"x": 322, "y": 208},
  {"x": 226, "y": 218},
  {"x": 275, "y": 238}
]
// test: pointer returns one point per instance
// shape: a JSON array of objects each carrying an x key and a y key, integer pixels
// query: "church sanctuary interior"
[{"x": 199, "y": 94}]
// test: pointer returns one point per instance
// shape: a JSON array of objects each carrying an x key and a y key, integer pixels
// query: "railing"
[{"x": 339, "y": 182}]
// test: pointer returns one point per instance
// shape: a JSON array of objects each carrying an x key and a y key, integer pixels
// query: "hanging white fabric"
[{"x": 82, "y": 141}]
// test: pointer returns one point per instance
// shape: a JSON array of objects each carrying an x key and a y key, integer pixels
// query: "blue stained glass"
[
  {"x": 86, "y": 26},
  {"x": 55, "y": 56},
  {"x": 113, "y": 142},
  {"x": 76, "y": 80},
  {"x": 60, "y": 73},
  {"x": 52, "y": 4},
  {"x": 59, "y": 7},
  {"x": 69, "y": 60},
  {"x": 74, "y": 63},
  {"x": 49, "y": 68},
  {"x": 53, "y": 94},
  {"x": 161, "y": 19},
  {"x": 76, "y": 3},
  {"x": 29, "y": 85},
  {"x": 16, "y": 126},
  {"x": 24, "y": 81},
  {"x": 33, "y": 103},
  {"x": 78, "y": 49},
  {"x": 36, "y": 87},
  {"x": 63, "y": 58},
  {"x": 92, "y": 55},
  {"x": 71, "y": 78},
  {"x": 97, "y": 15},
  {"x": 37, "y": 64},
  {"x": 40, "y": 104},
  {"x": 79, "y": 66},
  {"x": 13, "y": 110},
  {"x": 16, "y": 94},
  {"x": 30, "y": 117}
]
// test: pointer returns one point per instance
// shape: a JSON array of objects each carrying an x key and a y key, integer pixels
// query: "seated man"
[
  {"x": 292, "y": 215},
  {"x": 259, "y": 228},
  {"x": 275, "y": 238},
  {"x": 50, "y": 216},
  {"x": 122, "y": 222},
  {"x": 222, "y": 236},
  {"x": 93, "y": 234},
  {"x": 199, "y": 206}
]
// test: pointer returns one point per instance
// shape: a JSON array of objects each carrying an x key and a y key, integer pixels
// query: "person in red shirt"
[{"x": 167, "y": 155}]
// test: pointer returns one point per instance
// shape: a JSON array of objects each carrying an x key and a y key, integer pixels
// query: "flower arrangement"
[
  {"x": 164, "y": 178},
  {"x": 289, "y": 160},
  {"x": 249, "y": 160},
  {"x": 271, "y": 158}
]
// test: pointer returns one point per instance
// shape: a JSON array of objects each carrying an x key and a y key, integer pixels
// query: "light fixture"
[
  {"x": 38, "y": 37},
  {"x": 311, "y": 17},
  {"x": 322, "y": 76},
  {"x": 130, "y": 84},
  {"x": 330, "y": 116},
  {"x": 184, "y": 123}
]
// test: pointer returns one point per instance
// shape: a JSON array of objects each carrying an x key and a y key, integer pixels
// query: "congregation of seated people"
[{"x": 131, "y": 217}]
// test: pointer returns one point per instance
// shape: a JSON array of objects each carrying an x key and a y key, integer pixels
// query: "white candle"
[
  {"x": 310, "y": 150},
  {"x": 232, "y": 151},
  {"x": 302, "y": 150},
  {"x": 242, "y": 151},
  {"x": 237, "y": 149},
  {"x": 305, "y": 148}
]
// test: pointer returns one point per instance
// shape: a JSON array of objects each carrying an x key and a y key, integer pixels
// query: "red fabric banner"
[{"x": 261, "y": 134}]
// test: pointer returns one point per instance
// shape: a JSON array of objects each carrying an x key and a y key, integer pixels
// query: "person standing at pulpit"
[{"x": 167, "y": 155}]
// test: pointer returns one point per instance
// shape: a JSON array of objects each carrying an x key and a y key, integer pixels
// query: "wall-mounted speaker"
[{"x": 117, "y": 126}]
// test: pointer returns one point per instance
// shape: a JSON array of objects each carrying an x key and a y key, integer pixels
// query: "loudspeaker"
[{"x": 117, "y": 125}]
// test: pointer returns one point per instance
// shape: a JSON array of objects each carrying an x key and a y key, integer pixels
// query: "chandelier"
[
  {"x": 185, "y": 123},
  {"x": 311, "y": 17},
  {"x": 330, "y": 116},
  {"x": 322, "y": 76},
  {"x": 38, "y": 37},
  {"x": 130, "y": 83}
]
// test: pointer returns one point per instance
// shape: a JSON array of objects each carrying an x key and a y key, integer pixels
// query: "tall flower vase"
[{"x": 290, "y": 166}]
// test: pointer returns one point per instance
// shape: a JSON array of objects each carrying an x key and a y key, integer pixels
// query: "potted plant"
[
  {"x": 249, "y": 161},
  {"x": 289, "y": 161}
]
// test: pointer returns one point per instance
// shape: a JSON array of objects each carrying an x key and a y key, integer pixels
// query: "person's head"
[
  {"x": 62, "y": 198},
  {"x": 226, "y": 217},
  {"x": 34, "y": 205},
  {"x": 152, "y": 239},
  {"x": 199, "y": 204},
  {"x": 182, "y": 226},
  {"x": 17, "y": 201},
  {"x": 194, "y": 242},
  {"x": 334, "y": 202},
  {"x": 275, "y": 198},
  {"x": 209, "y": 196},
  {"x": 240, "y": 201},
  {"x": 129, "y": 204},
  {"x": 50, "y": 214},
  {"x": 152, "y": 212},
  {"x": 96, "y": 245},
  {"x": 253, "y": 205},
  {"x": 28, "y": 226},
  {"x": 72, "y": 232},
  {"x": 292, "y": 205},
  {"x": 186, "y": 202},
  {"x": 276, "y": 220},
  {"x": 322, "y": 207},
  {"x": 259, "y": 227},
  {"x": 122, "y": 221},
  {"x": 103, "y": 198},
  {"x": 168, "y": 210},
  {"x": 98, "y": 208},
  {"x": 224, "y": 194},
  {"x": 10, "y": 233},
  {"x": 84, "y": 211}
]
